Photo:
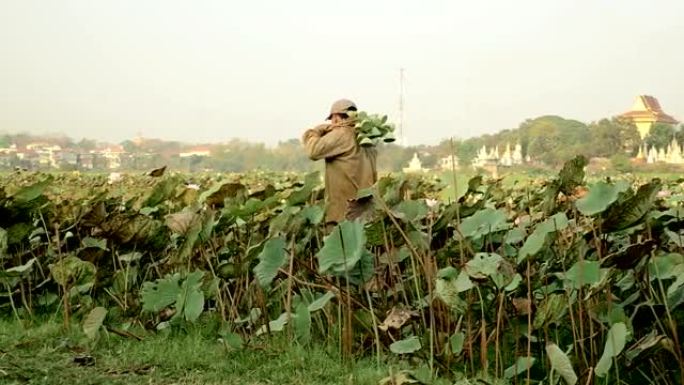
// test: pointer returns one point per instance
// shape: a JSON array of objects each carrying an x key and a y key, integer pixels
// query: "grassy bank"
[{"x": 46, "y": 354}]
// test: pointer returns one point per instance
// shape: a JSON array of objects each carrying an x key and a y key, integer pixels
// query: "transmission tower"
[{"x": 402, "y": 138}]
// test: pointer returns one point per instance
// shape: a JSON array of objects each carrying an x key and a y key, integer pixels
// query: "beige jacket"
[{"x": 348, "y": 166}]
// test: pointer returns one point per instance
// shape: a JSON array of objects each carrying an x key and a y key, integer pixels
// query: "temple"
[
  {"x": 672, "y": 154},
  {"x": 415, "y": 165},
  {"x": 493, "y": 157},
  {"x": 645, "y": 112}
]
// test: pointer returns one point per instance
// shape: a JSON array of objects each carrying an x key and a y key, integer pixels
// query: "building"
[
  {"x": 493, "y": 157},
  {"x": 8, "y": 156},
  {"x": 511, "y": 158},
  {"x": 448, "y": 162},
  {"x": 11, "y": 150},
  {"x": 68, "y": 159},
  {"x": 486, "y": 158},
  {"x": 645, "y": 112},
  {"x": 196, "y": 151},
  {"x": 47, "y": 155},
  {"x": 672, "y": 154},
  {"x": 112, "y": 155},
  {"x": 415, "y": 165}
]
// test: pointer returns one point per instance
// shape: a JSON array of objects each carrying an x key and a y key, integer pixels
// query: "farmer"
[{"x": 348, "y": 166}]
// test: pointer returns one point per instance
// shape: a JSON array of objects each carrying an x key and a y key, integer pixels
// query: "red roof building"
[{"x": 645, "y": 112}]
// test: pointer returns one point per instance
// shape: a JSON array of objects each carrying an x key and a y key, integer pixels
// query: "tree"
[
  {"x": 290, "y": 155},
  {"x": 444, "y": 148},
  {"x": 86, "y": 144},
  {"x": 130, "y": 146},
  {"x": 61, "y": 140},
  {"x": 553, "y": 139},
  {"x": 466, "y": 150},
  {"x": 614, "y": 136},
  {"x": 629, "y": 134},
  {"x": 660, "y": 135},
  {"x": 679, "y": 134},
  {"x": 392, "y": 157}
]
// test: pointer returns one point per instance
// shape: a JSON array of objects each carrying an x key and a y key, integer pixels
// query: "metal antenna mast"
[{"x": 402, "y": 138}]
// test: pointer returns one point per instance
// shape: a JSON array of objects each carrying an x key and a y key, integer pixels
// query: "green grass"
[{"x": 45, "y": 354}]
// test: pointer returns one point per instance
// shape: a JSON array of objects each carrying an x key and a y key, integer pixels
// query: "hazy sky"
[{"x": 266, "y": 70}]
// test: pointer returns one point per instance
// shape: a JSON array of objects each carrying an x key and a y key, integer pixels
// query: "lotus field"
[{"x": 561, "y": 281}]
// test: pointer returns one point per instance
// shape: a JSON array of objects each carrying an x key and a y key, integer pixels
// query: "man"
[{"x": 348, "y": 166}]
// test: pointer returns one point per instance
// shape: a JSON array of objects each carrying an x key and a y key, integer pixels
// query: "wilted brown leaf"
[
  {"x": 579, "y": 192},
  {"x": 357, "y": 208},
  {"x": 374, "y": 285},
  {"x": 217, "y": 195},
  {"x": 157, "y": 172},
  {"x": 522, "y": 305},
  {"x": 396, "y": 318},
  {"x": 181, "y": 223},
  {"x": 96, "y": 215}
]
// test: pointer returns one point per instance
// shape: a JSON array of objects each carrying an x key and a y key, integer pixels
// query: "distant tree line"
[{"x": 550, "y": 140}]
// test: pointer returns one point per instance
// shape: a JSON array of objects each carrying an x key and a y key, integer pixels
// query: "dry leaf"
[
  {"x": 181, "y": 223},
  {"x": 157, "y": 172},
  {"x": 396, "y": 319},
  {"x": 522, "y": 305}
]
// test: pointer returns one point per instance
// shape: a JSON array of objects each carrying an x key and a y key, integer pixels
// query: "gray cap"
[{"x": 341, "y": 106}]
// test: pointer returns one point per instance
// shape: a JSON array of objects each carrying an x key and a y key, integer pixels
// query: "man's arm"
[
  {"x": 317, "y": 131},
  {"x": 324, "y": 143}
]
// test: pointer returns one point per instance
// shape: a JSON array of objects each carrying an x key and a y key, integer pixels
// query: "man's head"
[{"x": 339, "y": 110}]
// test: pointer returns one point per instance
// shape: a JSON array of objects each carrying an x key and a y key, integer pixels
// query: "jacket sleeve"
[{"x": 322, "y": 145}]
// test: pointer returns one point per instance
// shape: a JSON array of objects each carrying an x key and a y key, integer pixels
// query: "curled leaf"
[
  {"x": 271, "y": 258},
  {"x": 396, "y": 318},
  {"x": 93, "y": 322},
  {"x": 615, "y": 343},
  {"x": 560, "y": 363}
]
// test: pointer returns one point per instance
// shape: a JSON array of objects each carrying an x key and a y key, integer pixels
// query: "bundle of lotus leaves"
[{"x": 371, "y": 128}]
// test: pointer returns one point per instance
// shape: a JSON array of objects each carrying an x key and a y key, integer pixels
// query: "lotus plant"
[{"x": 371, "y": 128}]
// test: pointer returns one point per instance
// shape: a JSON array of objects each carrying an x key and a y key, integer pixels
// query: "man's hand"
[
  {"x": 317, "y": 131},
  {"x": 323, "y": 129}
]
